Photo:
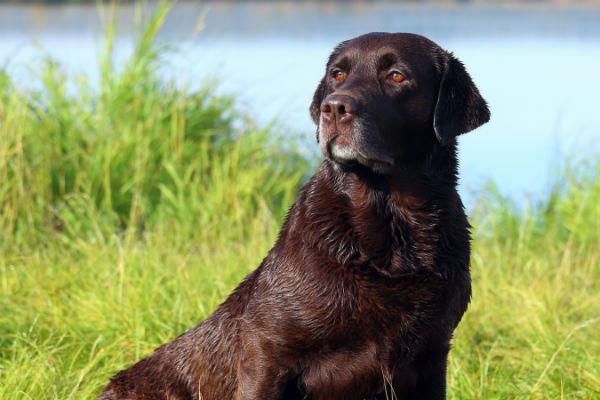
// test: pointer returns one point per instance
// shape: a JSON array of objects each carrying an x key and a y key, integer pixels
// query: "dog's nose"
[{"x": 338, "y": 107}]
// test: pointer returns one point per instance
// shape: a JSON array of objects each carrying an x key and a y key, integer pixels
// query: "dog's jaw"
[{"x": 347, "y": 154}]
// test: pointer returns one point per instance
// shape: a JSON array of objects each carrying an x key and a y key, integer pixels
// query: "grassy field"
[{"x": 132, "y": 208}]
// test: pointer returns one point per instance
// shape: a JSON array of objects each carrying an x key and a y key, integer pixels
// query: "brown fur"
[{"x": 370, "y": 275}]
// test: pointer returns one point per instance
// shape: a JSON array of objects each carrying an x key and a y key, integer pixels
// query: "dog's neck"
[
  {"x": 392, "y": 223},
  {"x": 420, "y": 185}
]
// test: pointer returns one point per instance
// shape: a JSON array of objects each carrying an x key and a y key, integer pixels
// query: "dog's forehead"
[{"x": 408, "y": 47}]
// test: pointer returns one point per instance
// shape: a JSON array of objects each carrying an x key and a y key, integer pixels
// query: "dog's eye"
[
  {"x": 396, "y": 76},
  {"x": 339, "y": 76}
]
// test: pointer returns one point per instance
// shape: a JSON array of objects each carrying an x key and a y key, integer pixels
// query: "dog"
[{"x": 361, "y": 293}]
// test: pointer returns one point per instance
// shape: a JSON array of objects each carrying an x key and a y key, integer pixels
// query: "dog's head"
[{"x": 387, "y": 99}]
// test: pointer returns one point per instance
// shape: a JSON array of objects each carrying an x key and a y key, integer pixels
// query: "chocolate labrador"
[{"x": 370, "y": 275}]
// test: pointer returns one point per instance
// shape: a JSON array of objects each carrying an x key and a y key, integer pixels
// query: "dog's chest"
[{"x": 385, "y": 237}]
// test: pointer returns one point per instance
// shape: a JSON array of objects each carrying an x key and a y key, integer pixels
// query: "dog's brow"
[
  {"x": 386, "y": 60},
  {"x": 343, "y": 62}
]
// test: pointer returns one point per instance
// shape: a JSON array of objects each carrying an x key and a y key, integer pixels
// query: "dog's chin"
[{"x": 349, "y": 158}]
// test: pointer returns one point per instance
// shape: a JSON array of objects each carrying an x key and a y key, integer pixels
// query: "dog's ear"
[
  {"x": 460, "y": 108},
  {"x": 315, "y": 106}
]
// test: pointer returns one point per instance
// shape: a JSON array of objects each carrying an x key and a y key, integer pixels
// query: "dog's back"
[{"x": 200, "y": 364}]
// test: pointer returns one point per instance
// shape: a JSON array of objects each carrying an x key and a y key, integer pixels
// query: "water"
[{"x": 536, "y": 67}]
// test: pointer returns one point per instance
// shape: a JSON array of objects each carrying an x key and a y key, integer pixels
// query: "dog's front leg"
[{"x": 431, "y": 378}]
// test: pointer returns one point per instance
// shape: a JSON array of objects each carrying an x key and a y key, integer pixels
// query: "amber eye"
[
  {"x": 396, "y": 76},
  {"x": 339, "y": 76}
]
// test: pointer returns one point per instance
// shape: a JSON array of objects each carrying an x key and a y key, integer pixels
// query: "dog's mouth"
[{"x": 349, "y": 156}]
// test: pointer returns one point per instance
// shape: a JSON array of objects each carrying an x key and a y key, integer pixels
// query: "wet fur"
[{"x": 370, "y": 274}]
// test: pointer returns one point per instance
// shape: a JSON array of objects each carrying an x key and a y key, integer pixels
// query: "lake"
[{"x": 536, "y": 66}]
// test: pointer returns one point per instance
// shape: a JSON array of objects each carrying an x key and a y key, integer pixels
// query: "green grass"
[{"x": 132, "y": 208}]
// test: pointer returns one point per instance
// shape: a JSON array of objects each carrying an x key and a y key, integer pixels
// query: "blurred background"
[
  {"x": 149, "y": 153},
  {"x": 535, "y": 62}
]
